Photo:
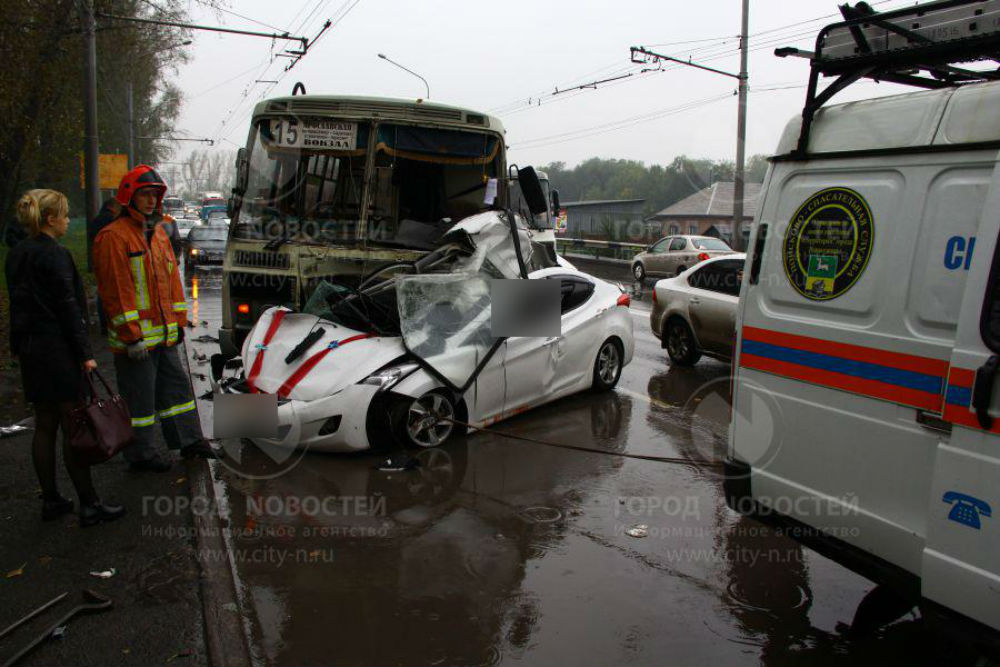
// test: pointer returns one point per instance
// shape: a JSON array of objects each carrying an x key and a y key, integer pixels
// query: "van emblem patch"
[{"x": 828, "y": 243}]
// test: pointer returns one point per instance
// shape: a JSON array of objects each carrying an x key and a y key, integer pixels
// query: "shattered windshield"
[
  {"x": 309, "y": 178},
  {"x": 445, "y": 320}
]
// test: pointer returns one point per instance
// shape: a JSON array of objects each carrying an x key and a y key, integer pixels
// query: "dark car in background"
[{"x": 206, "y": 244}]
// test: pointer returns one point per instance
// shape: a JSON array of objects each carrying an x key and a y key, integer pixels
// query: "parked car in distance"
[
  {"x": 185, "y": 225},
  {"x": 694, "y": 314},
  {"x": 673, "y": 255},
  {"x": 206, "y": 244},
  {"x": 218, "y": 217}
]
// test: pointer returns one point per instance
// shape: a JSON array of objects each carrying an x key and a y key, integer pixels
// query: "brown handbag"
[{"x": 99, "y": 427}]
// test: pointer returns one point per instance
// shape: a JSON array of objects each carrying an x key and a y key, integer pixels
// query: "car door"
[
  {"x": 654, "y": 257},
  {"x": 572, "y": 352},
  {"x": 961, "y": 557},
  {"x": 487, "y": 395},
  {"x": 712, "y": 304},
  {"x": 674, "y": 257}
]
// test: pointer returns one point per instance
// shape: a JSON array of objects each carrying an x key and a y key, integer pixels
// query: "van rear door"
[{"x": 961, "y": 559}]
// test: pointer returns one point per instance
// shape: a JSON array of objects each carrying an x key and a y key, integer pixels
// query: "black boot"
[
  {"x": 55, "y": 508},
  {"x": 202, "y": 449},
  {"x": 98, "y": 512}
]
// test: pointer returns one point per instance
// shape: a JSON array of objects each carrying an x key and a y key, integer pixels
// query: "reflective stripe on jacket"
[{"x": 139, "y": 284}]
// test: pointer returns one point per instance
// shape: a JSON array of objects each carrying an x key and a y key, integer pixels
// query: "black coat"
[{"x": 48, "y": 318}]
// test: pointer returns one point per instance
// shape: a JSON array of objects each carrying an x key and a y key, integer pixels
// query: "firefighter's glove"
[{"x": 137, "y": 351}]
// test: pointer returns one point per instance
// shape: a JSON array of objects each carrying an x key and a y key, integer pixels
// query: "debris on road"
[
  {"x": 205, "y": 338},
  {"x": 59, "y": 632},
  {"x": 16, "y": 573},
  {"x": 638, "y": 530},
  {"x": 104, "y": 574}
]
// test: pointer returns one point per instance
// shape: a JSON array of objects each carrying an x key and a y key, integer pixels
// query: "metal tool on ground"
[
  {"x": 93, "y": 602},
  {"x": 30, "y": 615}
]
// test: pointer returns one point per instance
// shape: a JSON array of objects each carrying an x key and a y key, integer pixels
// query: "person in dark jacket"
[{"x": 49, "y": 336}]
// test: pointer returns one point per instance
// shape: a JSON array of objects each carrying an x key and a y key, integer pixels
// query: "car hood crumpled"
[{"x": 342, "y": 365}]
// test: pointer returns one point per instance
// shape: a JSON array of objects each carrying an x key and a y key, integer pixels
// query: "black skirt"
[{"x": 50, "y": 372}]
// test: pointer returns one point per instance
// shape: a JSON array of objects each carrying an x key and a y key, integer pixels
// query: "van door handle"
[
  {"x": 694, "y": 300},
  {"x": 982, "y": 390}
]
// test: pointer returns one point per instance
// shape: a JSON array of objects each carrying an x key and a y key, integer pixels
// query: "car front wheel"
[
  {"x": 425, "y": 421},
  {"x": 639, "y": 272},
  {"x": 608, "y": 365},
  {"x": 680, "y": 343}
]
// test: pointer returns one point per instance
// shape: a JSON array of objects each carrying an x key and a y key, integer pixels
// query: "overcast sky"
[{"x": 494, "y": 57}]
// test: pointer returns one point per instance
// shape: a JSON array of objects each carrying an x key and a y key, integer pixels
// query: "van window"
[{"x": 989, "y": 323}]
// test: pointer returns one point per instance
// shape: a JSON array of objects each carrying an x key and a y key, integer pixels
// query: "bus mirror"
[
  {"x": 531, "y": 190},
  {"x": 241, "y": 169}
]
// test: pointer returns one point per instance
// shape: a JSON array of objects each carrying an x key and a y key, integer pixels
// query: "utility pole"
[
  {"x": 741, "y": 136},
  {"x": 642, "y": 55},
  {"x": 90, "y": 146}
]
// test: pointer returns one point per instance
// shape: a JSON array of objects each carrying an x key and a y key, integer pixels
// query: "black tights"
[{"x": 48, "y": 419}]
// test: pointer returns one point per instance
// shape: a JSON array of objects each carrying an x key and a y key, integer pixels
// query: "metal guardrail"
[
  {"x": 602, "y": 244},
  {"x": 609, "y": 249}
]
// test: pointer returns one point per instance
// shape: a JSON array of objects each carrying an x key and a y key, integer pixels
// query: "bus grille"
[{"x": 262, "y": 260}]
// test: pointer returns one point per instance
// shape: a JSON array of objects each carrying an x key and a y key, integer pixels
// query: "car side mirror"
[{"x": 531, "y": 190}]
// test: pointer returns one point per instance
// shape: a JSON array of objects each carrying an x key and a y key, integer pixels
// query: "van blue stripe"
[
  {"x": 859, "y": 369},
  {"x": 959, "y": 396}
]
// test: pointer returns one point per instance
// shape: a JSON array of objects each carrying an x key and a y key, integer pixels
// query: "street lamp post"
[{"x": 426, "y": 85}]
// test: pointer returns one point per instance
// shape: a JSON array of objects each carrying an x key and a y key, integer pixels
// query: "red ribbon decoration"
[
  {"x": 311, "y": 362},
  {"x": 259, "y": 359}
]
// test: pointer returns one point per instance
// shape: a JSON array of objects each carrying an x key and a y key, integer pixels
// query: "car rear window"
[
  {"x": 710, "y": 244},
  {"x": 208, "y": 234}
]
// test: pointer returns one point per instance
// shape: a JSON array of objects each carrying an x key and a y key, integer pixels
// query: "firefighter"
[{"x": 140, "y": 288}]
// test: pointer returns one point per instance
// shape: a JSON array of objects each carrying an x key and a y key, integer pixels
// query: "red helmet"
[{"x": 142, "y": 176}]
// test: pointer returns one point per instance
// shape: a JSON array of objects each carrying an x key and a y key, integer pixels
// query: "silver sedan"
[
  {"x": 674, "y": 255},
  {"x": 695, "y": 313}
]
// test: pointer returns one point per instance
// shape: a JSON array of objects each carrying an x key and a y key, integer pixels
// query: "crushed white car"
[{"x": 407, "y": 355}]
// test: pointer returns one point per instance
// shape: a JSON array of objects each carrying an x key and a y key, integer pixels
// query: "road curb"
[{"x": 225, "y": 638}]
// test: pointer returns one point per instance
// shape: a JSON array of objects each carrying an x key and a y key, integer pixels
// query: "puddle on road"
[{"x": 502, "y": 551}]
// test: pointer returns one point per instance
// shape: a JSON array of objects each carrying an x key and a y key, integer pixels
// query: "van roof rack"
[{"x": 919, "y": 46}]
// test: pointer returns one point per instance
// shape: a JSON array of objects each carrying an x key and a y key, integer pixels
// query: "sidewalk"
[{"x": 159, "y": 586}]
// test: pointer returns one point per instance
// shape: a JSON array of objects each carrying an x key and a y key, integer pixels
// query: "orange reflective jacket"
[{"x": 139, "y": 284}]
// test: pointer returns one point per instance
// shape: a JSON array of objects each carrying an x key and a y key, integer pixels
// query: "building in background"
[
  {"x": 708, "y": 212},
  {"x": 606, "y": 219}
]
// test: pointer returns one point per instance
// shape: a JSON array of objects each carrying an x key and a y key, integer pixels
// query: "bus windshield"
[{"x": 308, "y": 179}]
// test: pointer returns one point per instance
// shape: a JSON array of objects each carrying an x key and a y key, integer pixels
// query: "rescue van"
[{"x": 866, "y": 411}]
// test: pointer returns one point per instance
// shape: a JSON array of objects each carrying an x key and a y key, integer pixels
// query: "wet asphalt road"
[{"x": 500, "y": 551}]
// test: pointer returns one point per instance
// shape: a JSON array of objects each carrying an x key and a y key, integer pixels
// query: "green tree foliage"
[
  {"x": 41, "y": 90},
  {"x": 660, "y": 186}
]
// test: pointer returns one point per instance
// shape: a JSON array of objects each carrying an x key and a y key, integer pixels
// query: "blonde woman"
[{"x": 49, "y": 336}]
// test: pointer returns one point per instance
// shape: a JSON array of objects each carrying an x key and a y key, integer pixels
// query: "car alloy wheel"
[
  {"x": 639, "y": 272},
  {"x": 428, "y": 420},
  {"x": 608, "y": 366},
  {"x": 680, "y": 343}
]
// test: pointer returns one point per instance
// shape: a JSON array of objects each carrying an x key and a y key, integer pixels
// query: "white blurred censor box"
[{"x": 245, "y": 415}]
